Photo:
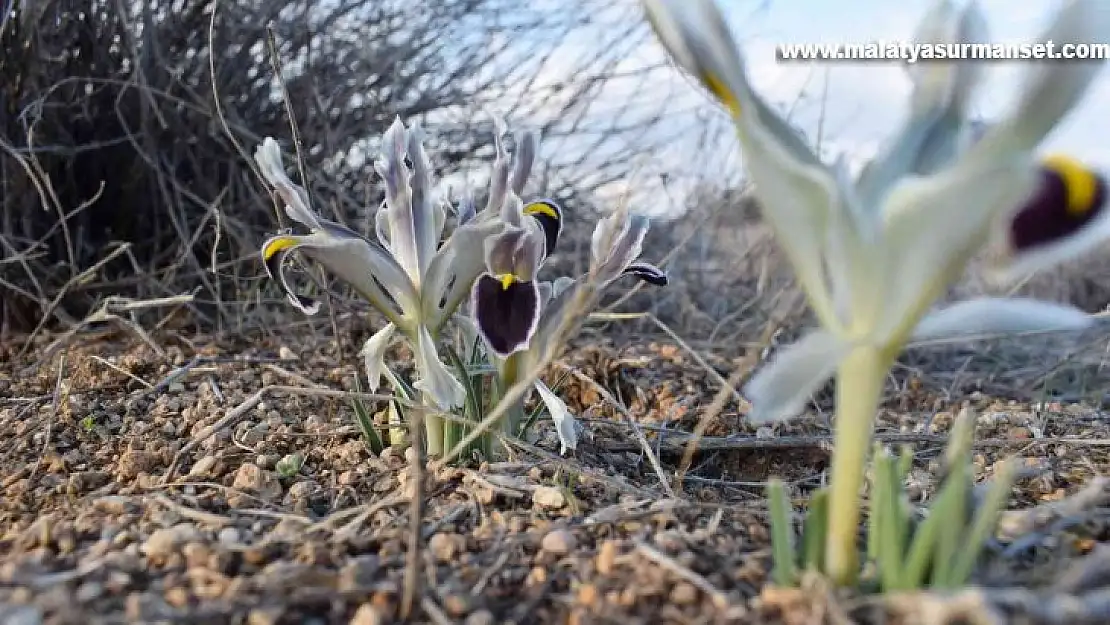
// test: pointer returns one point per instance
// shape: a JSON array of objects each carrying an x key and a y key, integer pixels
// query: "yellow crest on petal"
[
  {"x": 1081, "y": 183},
  {"x": 275, "y": 245},
  {"x": 541, "y": 208},
  {"x": 723, "y": 94}
]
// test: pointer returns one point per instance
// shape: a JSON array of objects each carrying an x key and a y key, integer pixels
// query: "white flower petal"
[
  {"x": 607, "y": 230},
  {"x": 935, "y": 129},
  {"x": 798, "y": 193},
  {"x": 1051, "y": 88},
  {"x": 382, "y": 227},
  {"x": 454, "y": 268},
  {"x": 399, "y": 201},
  {"x": 349, "y": 256},
  {"x": 947, "y": 85},
  {"x": 523, "y": 159},
  {"x": 427, "y": 217},
  {"x": 990, "y": 315},
  {"x": 436, "y": 381},
  {"x": 268, "y": 157},
  {"x": 781, "y": 389},
  {"x": 373, "y": 354},
  {"x": 499, "y": 177},
  {"x": 565, "y": 425},
  {"x": 932, "y": 227}
]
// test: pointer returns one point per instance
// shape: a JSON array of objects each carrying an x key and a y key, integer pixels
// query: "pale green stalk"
[
  {"x": 510, "y": 374},
  {"x": 859, "y": 384},
  {"x": 397, "y": 430},
  {"x": 433, "y": 426}
]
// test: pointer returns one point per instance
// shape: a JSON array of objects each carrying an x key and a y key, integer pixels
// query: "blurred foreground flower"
[{"x": 873, "y": 254}]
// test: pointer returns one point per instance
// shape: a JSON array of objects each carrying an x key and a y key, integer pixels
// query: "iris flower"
[
  {"x": 874, "y": 253},
  {"x": 414, "y": 279},
  {"x": 615, "y": 249}
]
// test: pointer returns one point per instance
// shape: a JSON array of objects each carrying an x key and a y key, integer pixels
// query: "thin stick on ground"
[
  {"x": 411, "y": 588},
  {"x": 720, "y": 601},
  {"x": 727, "y": 389},
  {"x": 645, "y": 446},
  {"x": 56, "y": 405}
]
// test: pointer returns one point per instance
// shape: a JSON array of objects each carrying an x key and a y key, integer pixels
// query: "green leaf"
[
  {"x": 289, "y": 465},
  {"x": 949, "y": 544},
  {"x": 922, "y": 551},
  {"x": 986, "y": 519},
  {"x": 365, "y": 422},
  {"x": 814, "y": 531},
  {"x": 892, "y": 521},
  {"x": 782, "y": 545}
]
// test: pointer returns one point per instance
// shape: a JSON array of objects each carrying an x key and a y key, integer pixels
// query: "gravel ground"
[{"x": 170, "y": 482}]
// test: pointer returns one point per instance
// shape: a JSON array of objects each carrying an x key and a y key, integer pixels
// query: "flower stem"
[
  {"x": 433, "y": 427},
  {"x": 859, "y": 384},
  {"x": 510, "y": 374}
]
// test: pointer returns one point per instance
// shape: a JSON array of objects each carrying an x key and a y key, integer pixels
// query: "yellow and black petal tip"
[
  {"x": 648, "y": 273},
  {"x": 506, "y": 312},
  {"x": 274, "y": 253},
  {"x": 550, "y": 216},
  {"x": 1069, "y": 197}
]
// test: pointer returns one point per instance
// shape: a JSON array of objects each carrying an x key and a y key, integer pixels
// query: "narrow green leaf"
[
  {"x": 365, "y": 422},
  {"x": 922, "y": 547},
  {"x": 814, "y": 531},
  {"x": 949, "y": 544},
  {"x": 986, "y": 519},
  {"x": 891, "y": 519},
  {"x": 464, "y": 376},
  {"x": 782, "y": 544}
]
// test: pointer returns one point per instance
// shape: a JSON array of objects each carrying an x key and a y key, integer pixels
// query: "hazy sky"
[{"x": 865, "y": 101}]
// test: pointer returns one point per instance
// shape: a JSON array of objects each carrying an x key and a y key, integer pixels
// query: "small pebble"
[
  {"x": 559, "y": 542},
  {"x": 255, "y": 480},
  {"x": 264, "y": 616},
  {"x": 228, "y": 536},
  {"x": 20, "y": 615},
  {"x": 607, "y": 557},
  {"x": 480, "y": 617},
  {"x": 445, "y": 546},
  {"x": 301, "y": 491},
  {"x": 684, "y": 593},
  {"x": 367, "y": 614},
  {"x": 548, "y": 497},
  {"x": 165, "y": 541},
  {"x": 203, "y": 467}
]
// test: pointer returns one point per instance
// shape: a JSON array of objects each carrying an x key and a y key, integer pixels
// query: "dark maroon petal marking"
[
  {"x": 1045, "y": 218},
  {"x": 506, "y": 317}
]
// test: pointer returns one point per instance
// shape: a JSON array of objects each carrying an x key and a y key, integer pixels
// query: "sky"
[{"x": 865, "y": 101}]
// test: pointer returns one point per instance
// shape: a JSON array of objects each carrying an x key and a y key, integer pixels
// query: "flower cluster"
[{"x": 420, "y": 277}]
